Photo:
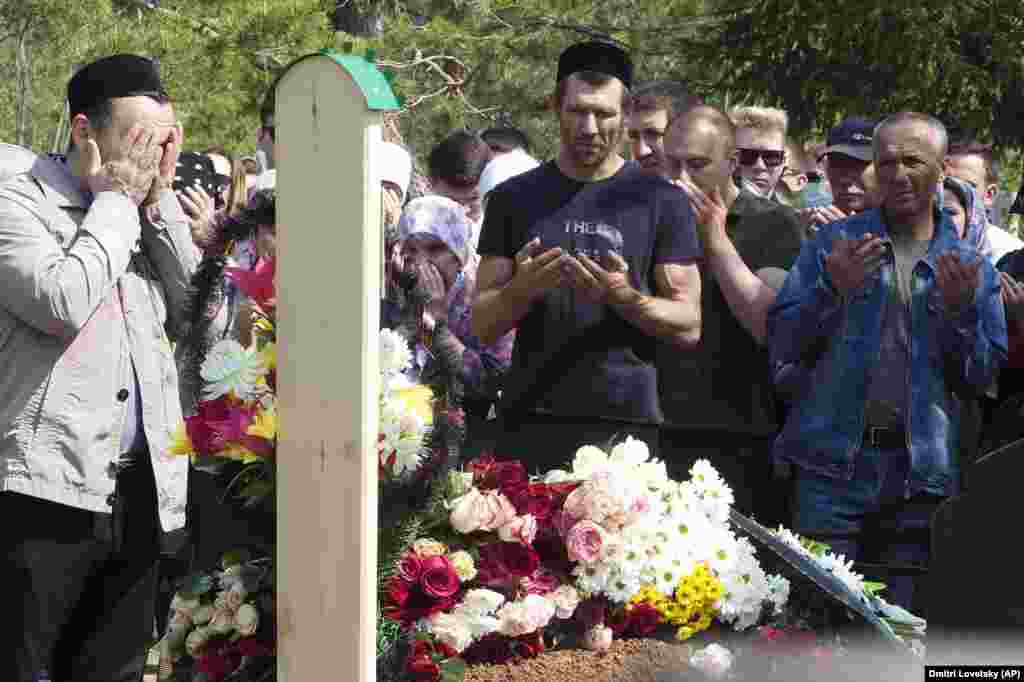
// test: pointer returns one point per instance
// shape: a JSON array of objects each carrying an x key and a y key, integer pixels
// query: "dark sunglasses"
[{"x": 772, "y": 157}]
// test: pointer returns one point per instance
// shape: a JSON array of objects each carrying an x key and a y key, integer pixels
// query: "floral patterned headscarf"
[
  {"x": 438, "y": 217},
  {"x": 976, "y": 226}
]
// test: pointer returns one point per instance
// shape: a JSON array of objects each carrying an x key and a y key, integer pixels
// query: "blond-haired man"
[{"x": 760, "y": 147}]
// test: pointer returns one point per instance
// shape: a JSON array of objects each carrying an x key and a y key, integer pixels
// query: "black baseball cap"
[
  {"x": 852, "y": 137},
  {"x": 601, "y": 56}
]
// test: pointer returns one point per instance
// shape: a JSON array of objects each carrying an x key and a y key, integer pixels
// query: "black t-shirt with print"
[
  {"x": 725, "y": 383},
  {"x": 572, "y": 357}
]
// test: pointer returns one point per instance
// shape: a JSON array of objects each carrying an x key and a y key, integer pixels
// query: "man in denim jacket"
[{"x": 900, "y": 321}]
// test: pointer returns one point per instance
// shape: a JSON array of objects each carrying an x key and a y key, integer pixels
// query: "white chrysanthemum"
[
  {"x": 622, "y": 586},
  {"x": 842, "y": 569},
  {"x": 230, "y": 367},
  {"x": 778, "y": 592},
  {"x": 788, "y": 538},
  {"x": 631, "y": 452},
  {"x": 746, "y": 588},
  {"x": 401, "y": 434},
  {"x": 395, "y": 356},
  {"x": 593, "y": 578},
  {"x": 557, "y": 476}
]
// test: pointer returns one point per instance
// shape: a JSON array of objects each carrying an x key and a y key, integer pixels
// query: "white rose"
[
  {"x": 235, "y": 597},
  {"x": 174, "y": 641},
  {"x": 202, "y": 615},
  {"x": 247, "y": 620},
  {"x": 222, "y": 623},
  {"x": 598, "y": 638},
  {"x": 196, "y": 641},
  {"x": 482, "y": 601},
  {"x": 515, "y": 620},
  {"x": 714, "y": 660},
  {"x": 565, "y": 599},
  {"x": 186, "y": 606},
  {"x": 462, "y": 562},
  {"x": 588, "y": 460},
  {"x": 451, "y": 630}
]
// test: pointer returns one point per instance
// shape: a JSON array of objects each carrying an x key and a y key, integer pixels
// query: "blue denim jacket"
[{"x": 811, "y": 325}]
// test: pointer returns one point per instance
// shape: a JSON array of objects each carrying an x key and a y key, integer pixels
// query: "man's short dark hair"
[
  {"x": 985, "y": 151},
  {"x": 594, "y": 79},
  {"x": 507, "y": 136},
  {"x": 673, "y": 97},
  {"x": 459, "y": 159},
  {"x": 716, "y": 118}
]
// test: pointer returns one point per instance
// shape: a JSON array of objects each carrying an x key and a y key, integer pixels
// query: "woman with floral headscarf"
[{"x": 434, "y": 235}]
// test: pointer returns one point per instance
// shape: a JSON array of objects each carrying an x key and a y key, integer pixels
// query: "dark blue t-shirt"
[{"x": 572, "y": 357}]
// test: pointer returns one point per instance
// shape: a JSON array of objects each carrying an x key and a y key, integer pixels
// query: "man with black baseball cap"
[
  {"x": 96, "y": 258},
  {"x": 591, "y": 260},
  {"x": 848, "y": 166}
]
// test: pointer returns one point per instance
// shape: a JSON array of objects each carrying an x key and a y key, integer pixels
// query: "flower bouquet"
[
  {"x": 224, "y": 622},
  {"x": 236, "y": 416},
  {"x": 508, "y": 566}
]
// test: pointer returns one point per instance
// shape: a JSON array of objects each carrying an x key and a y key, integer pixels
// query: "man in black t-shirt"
[
  {"x": 719, "y": 400},
  {"x": 592, "y": 261}
]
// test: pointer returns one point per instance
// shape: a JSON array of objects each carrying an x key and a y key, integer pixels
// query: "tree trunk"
[
  {"x": 23, "y": 109},
  {"x": 358, "y": 19}
]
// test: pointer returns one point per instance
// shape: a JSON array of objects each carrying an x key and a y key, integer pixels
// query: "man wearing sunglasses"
[{"x": 760, "y": 147}]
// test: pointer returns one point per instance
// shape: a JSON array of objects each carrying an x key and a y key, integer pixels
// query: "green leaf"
[
  {"x": 453, "y": 670},
  {"x": 873, "y": 588}
]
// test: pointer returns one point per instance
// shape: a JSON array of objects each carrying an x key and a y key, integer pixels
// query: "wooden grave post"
[{"x": 328, "y": 127}]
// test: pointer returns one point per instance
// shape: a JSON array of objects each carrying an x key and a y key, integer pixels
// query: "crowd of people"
[{"x": 837, "y": 328}]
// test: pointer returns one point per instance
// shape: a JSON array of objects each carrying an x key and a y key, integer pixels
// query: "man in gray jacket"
[{"x": 95, "y": 260}]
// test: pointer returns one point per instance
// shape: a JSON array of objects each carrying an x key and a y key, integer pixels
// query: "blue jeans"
[{"x": 869, "y": 519}]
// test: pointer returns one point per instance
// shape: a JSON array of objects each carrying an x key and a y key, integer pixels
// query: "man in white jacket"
[{"x": 95, "y": 257}]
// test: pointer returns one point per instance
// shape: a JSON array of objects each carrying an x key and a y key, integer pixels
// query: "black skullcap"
[
  {"x": 600, "y": 56},
  {"x": 121, "y": 75}
]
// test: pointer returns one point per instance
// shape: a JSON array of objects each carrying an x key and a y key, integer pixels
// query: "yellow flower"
[
  {"x": 239, "y": 452},
  {"x": 417, "y": 399},
  {"x": 268, "y": 356},
  {"x": 182, "y": 444},
  {"x": 264, "y": 426},
  {"x": 684, "y": 633}
]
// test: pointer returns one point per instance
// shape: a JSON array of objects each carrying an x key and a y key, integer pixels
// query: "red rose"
[
  {"x": 398, "y": 591},
  {"x": 641, "y": 620},
  {"x": 531, "y": 645},
  {"x": 219, "y": 661},
  {"x": 535, "y": 498},
  {"x": 591, "y": 612},
  {"x": 438, "y": 578},
  {"x": 251, "y": 646},
  {"x": 501, "y": 562},
  {"x": 489, "y": 473},
  {"x": 422, "y": 668},
  {"x": 491, "y": 649},
  {"x": 410, "y": 567}
]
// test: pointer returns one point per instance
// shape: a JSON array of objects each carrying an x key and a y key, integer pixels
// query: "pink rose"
[
  {"x": 541, "y": 582},
  {"x": 438, "y": 578},
  {"x": 487, "y": 511},
  {"x": 520, "y": 529},
  {"x": 598, "y": 638},
  {"x": 562, "y": 521},
  {"x": 583, "y": 543}
]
